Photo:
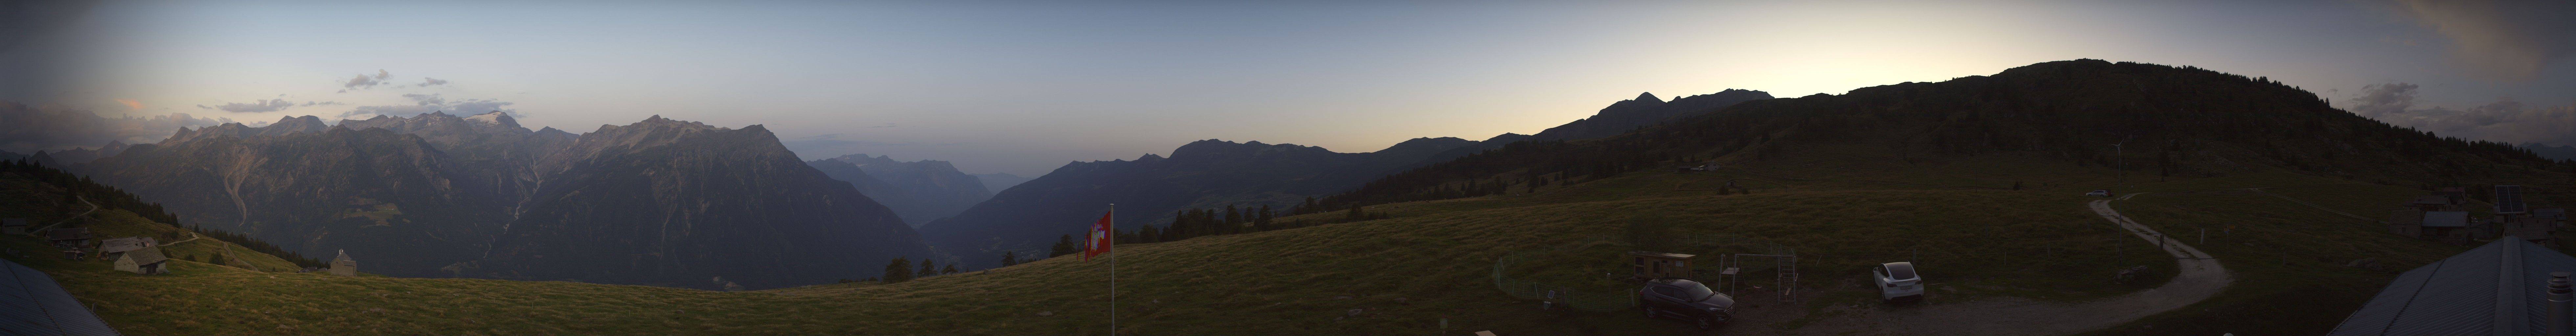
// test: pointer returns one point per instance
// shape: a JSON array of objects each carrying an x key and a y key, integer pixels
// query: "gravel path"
[{"x": 2199, "y": 278}]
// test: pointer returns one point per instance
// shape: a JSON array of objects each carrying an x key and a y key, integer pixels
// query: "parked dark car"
[{"x": 1686, "y": 300}]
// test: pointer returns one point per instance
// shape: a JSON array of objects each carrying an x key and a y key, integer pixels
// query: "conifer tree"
[
  {"x": 1063, "y": 246},
  {"x": 898, "y": 271},
  {"x": 1008, "y": 259},
  {"x": 926, "y": 270},
  {"x": 951, "y": 269}
]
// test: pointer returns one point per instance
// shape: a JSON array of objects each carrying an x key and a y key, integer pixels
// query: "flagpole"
[{"x": 1113, "y": 269}]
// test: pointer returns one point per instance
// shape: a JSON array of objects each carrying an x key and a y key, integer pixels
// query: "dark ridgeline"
[
  {"x": 1216, "y": 187},
  {"x": 318, "y": 191},
  {"x": 76, "y": 189},
  {"x": 439, "y": 191},
  {"x": 672, "y": 203},
  {"x": 1029, "y": 217},
  {"x": 995, "y": 182},
  {"x": 2177, "y": 122},
  {"x": 920, "y": 191}
]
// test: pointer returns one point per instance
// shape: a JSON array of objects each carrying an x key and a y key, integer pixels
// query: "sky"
[{"x": 1025, "y": 87}]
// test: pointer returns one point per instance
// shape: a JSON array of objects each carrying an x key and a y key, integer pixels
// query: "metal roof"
[
  {"x": 31, "y": 304},
  {"x": 2446, "y": 219},
  {"x": 114, "y": 245},
  {"x": 2495, "y": 289},
  {"x": 2550, "y": 213}
]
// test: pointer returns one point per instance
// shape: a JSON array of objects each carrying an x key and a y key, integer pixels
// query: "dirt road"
[{"x": 2200, "y": 277}]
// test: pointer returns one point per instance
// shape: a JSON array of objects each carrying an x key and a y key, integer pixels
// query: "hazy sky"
[{"x": 1023, "y": 87}]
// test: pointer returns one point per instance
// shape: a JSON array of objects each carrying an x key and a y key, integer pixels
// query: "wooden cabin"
[
  {"x": 71, "y": 238},
  {"x": 143, "y": 261},
  {"x": 1658, "y": 265},
  {"x": 109, "y": 249},
  {"x": 15, "y": 226}
]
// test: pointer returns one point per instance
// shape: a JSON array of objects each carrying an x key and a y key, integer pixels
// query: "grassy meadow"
[{"x": 1972, "y": 235}]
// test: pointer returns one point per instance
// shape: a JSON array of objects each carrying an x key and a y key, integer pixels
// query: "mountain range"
[
  {"x": 658, "y": 202},
  {"x": 1028, "y": 218},
  {"x": 919, "y": 191}
]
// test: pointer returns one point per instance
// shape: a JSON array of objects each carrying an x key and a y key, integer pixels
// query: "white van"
[{"x": 1897, "y": 281}]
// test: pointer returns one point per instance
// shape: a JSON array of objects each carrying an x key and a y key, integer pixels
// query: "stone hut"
[
  {"x": 143, "y": 261},
  {"x": 109, "y": 249},
  {"x": 343, "y": 266}
]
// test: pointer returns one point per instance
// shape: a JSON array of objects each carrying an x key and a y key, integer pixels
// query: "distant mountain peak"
[
  {"x": 495, "y": 118},
  {"x": 1648, "y": 96}
]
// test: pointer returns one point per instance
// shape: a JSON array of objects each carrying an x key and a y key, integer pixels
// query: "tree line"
[{"x": 76, "y": 187}]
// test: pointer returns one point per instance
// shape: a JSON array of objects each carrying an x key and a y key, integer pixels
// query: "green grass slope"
[{"x": 1430, "y": 262}]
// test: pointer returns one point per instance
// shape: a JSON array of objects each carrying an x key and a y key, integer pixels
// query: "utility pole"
[{"x": 2120, "y": 159}]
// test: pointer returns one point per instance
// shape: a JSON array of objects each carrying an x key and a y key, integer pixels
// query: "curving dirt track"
[{"x": 2200, "y": 277}]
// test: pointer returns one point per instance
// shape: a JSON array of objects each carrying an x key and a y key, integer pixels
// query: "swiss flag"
[{"x": 1100, "y": 235}]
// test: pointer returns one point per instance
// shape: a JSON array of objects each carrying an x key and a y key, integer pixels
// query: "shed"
[
  {"x": 68, "y": 238},
  {"x": 15, "y": 226},
  {"x": 1658, "y": 265},
  {"x": 2537, "y": 230},
  {"x": 2496, "y": 289},
  {"x": 143, "y": 261},
  {"x": 110, "y": 248},
  {"x": 343, "y": 266}
]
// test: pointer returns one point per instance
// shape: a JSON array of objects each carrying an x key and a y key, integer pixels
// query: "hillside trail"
[
  {"x": 93, "y": 208},
  {"x": 2199, "y": 277}
]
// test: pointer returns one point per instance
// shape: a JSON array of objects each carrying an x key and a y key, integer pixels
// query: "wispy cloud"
[
  {"x": 2508, "y": 39},
  {"x": 130, "y": 104},
  {"x": 363, "y": 81},
  {"x": 2504, "y": 120},
  {"x": 426, "y": 81},
  {"x": 263, "y": 105},
  {"x": 426, "y": 103}
]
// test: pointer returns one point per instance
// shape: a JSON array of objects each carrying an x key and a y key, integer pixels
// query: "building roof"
[
  {"x": 32, "y": 304},
  {"x": 114, "y": 245},
  {"x": 2495, "y": 289},
  {"x": 2446, "y": 219},
  {"x": 145, "y": 256},
  {"x": 2550, "y": 213},
  {"x": 344, "y": 256},
  {"x": 13, "y": 222},
  {"x": 67, "y": 234},
  {"x": 1661, "y": 254}
]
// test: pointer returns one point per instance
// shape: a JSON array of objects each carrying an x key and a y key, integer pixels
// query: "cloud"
[
  {"x": 26, "y": 129},
  {"x": 2504, "y": 120},
  {"x": 311, "y": 103},
  {"x": 426, "y": 103},
  {"x": 884, "y": 126},
  {"x": 2508, "y": 39},
  {"x": 130, "y": 104},
  {"x": 426, "y": 81},
  {"x": 363, "y": 81},
  {"x": 263, "y": 105}
]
